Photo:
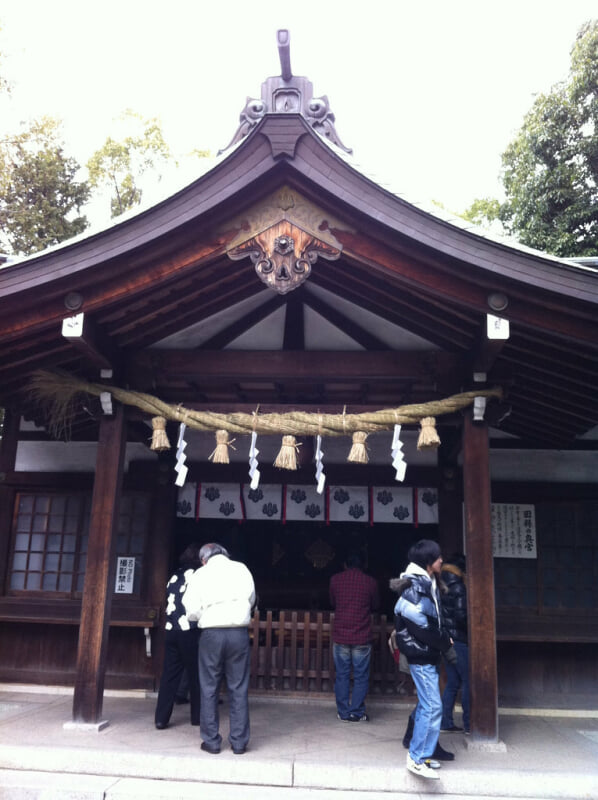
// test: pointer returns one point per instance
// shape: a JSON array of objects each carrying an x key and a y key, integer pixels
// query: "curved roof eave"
[
  {"x": 505, "y": 260},
  {"x": 220, "y": 184},
  {"x": 288, "y": 139}
]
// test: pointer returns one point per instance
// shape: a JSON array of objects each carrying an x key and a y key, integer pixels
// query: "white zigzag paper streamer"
[
  {"x": 254, "y": 472},
  {"x": 398, "y": 460},
  {"x": 181, "y": 457},
  {"x": 320, "y": 477}
]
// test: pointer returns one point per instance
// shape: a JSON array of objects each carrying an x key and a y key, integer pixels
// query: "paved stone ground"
[{"x": 298, "y": 750}]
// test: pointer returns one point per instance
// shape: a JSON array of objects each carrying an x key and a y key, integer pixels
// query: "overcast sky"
[{"x": 428, "y": 93}]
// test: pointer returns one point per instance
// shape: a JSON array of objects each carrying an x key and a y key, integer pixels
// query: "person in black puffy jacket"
[
  {"x": 423, "y": 639},
  {"x": 454, "y": 608}
]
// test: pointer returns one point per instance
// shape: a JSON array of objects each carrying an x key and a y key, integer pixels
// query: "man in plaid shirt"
[{"x": 353, "y": 595}]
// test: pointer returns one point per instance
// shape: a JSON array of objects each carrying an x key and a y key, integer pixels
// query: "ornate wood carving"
[
  {"x": 283, "y": 255},
  {"x": 320, "y": 553},
  {"x": 283, "y": 236}
]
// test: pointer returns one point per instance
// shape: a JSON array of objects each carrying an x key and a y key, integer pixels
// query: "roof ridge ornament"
[{"x": 287, "y": 94}]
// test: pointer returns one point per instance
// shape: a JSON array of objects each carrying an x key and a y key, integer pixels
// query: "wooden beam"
[
  {"x": 485, "y": 351},
  {"x": 294, "y": 324},
  {"x": 88, "y": 340},
  {"x": 125, "y": 281},
  {"x": 344, "y": 324},
  {"x": 98, "y": 588},
  {"x": 533, "y": 306},
  {"x": 160, "y": 548},
  {"x": 483, "y": 680},
  {"x": 276, "y": 365},
  {"x": 248, "y": 321},
  {"x": 395, "y": 305},
  {"x": 450, "y": 491},
  {"x": 188, "y": 313}
]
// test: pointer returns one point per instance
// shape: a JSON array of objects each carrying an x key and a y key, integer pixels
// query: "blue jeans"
[
  {"x": 457, "y": 677},
  {"x": 428, "y": 712},
  {"x": 345, "y": 656}
]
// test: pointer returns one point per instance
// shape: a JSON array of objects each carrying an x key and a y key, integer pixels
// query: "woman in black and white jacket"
[{"x": 181, "y": 643}]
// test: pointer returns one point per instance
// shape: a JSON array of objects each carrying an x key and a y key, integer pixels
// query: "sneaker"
[
  {"x": 423, "y": 770},
  {"x": 344, "y": 719},
  {"x": 362, "y": 718},
  {"x": 432, "y": 763},
  {"x": 452, "y": 729}
]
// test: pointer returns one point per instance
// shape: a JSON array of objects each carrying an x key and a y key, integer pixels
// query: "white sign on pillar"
[
  {"x": 497, "y": 327},
  {"x": 73, "y": 326}
]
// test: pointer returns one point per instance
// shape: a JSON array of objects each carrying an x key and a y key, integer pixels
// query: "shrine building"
[{"x": 290, "y": 359}]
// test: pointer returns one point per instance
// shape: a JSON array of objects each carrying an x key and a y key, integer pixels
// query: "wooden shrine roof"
[{"x": 405, "y": 301}]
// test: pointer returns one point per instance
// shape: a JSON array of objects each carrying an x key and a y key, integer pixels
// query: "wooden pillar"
[
  {"x": 159, "y": 549},
  {"x": 480, "y": 582},
  {"x": 8, "y": 456},
  {"x": 450, "y": 493},
  {"x": 100, "y": 570}
]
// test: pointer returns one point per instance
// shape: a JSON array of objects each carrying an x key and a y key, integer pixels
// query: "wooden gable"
[{"x": 393, "y": 275}]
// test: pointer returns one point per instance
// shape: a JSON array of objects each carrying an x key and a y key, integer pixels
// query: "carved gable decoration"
[
  {"x": 283, "y": 255},
  {"x": 283, "y": 236}
]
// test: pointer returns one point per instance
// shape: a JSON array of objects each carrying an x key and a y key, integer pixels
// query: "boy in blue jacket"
[{"x": 422, "y": 638}]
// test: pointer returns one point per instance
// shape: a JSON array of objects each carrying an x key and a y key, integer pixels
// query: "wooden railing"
[{"x": 292, "y": 651}]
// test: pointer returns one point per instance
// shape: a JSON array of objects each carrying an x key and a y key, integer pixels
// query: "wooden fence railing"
[{"x": 292, "y": 651}]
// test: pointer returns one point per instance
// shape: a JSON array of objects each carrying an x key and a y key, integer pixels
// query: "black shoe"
[
  {"x": 452, "y": 729},
  {"x": 408, "y": 733},
  {"x": 362, "y": 718},
  {"x": 161, "y": 725},
  {"x": 440, "y": 754},
  {"x": 238, "y": 751},
  {"x": 207, "y": 749}
]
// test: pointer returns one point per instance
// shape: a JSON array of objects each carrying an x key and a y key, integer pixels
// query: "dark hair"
[
  {"x": 424, "y": 553},
  {"x": 212, "y": 549},
  {"x": 458, "y": 559},
  {"x": 355, "y": 559},
  {"x": 189, "y": 558}
]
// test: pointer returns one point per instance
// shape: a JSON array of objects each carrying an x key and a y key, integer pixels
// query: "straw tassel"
[
  {"x": 220, "y": 453},
  {"x": 428, "y": 437},
  {"x": 287, "y": 457},
  {"x": 159, "y": 437},
  {"x": 359, "y": 453}
]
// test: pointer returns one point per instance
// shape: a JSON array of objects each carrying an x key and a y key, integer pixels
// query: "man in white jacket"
[{"x": 220, "y": 596}]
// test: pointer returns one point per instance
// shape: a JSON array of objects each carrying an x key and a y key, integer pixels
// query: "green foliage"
[
  {"x": 550, "y": 169},
  {"x": 40, "y": 198},
  {"x": 197, "y": 153},
  {"x": 483, "y": 211},
  {"x": 119, "y": 165}
]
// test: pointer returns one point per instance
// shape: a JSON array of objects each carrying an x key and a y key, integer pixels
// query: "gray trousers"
[{"x": 224, "y": 653}]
